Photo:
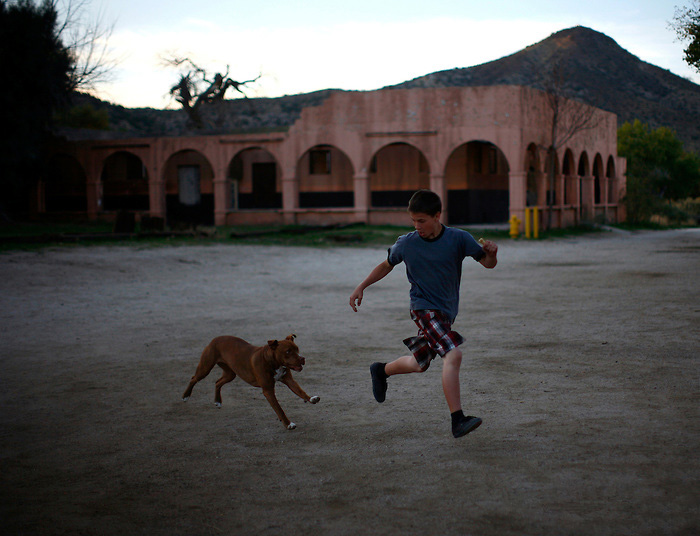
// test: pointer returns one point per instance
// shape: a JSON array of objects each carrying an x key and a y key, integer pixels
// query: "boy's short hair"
[{"x": 425, "y": 202}]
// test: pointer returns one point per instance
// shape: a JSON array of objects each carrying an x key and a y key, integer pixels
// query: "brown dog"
[{"x": 260, "y": 366}]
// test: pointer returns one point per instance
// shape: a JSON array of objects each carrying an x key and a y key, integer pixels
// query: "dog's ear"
[
  {"x": 273, "y": 344},
  {"x": 291, "y": 337}
]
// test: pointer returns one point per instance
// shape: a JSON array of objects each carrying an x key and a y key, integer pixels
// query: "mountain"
[{"x": 595, "y": 70}]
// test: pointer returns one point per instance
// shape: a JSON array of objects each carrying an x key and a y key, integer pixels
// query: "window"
[
  {"x": 320, "y": 162},
  {"x": 493, "y": 160}
]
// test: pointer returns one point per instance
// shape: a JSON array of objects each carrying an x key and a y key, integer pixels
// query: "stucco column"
[
  {"x": 439, "y": 186},
  {"x": 156, "y": 184},
  {"x": 290, "y": 199},
  {"x": 576, "y": 196},
  {"x": 605, "y": 185},
  {"x": 363, "y": 197},
  {"x": 558, "y": 210},
  {"x": 517, "y": 189},
  {"x": 222, "y": 198},
  {"x": 156, "y": 197},
  {"x": 542, "y": 187},
  {"x": 614, "y": 187},
  {"x": 570, "y": 183},
  {"x": 559, "y": 189}
]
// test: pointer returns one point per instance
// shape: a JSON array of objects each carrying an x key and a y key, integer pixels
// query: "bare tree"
[
  {"x": 567, "y": 117},
  {"x": 196, "y": 88},
  {"x": 87, "y": 41}
]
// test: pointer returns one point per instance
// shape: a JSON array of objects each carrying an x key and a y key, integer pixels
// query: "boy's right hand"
[
  {"x": 356, "y": 297},
  {"x": 380, "y": 271}
]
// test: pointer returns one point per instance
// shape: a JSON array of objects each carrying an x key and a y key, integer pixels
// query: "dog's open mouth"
[{"x": 298, "y": 365}]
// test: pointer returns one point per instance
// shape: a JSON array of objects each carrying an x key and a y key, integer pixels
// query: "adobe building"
[{"x": 356, "y": 157}]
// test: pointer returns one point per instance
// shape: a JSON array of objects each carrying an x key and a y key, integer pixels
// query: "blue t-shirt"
[{"x": 434, "y": 267}]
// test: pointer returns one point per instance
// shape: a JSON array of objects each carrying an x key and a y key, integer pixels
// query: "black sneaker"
[
  {"x": 378, "y": 381},
  {"x": 466, "y": 425}
]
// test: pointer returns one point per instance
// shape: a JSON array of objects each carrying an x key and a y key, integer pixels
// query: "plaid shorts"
[{"x": 435, "y": 336}]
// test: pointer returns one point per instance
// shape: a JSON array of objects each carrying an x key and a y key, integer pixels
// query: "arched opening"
[
  {"x": 65, "y": 188},
  {"x": 476, "y": 176},
  {"x": 255, "y": 180},
  {"x": 124, "y": 183},
  {"x": 568, "y": 169},
  {"x": 598, "y": 177},
  {"x": 325, "y": 178},
  {"x": 611, "y": 175},
  {"x": 551, "y": 177},
  {"x": 189, "y": 189},
  {"x": 583, "y": 167},
  {"x": 583, "y": 201},
  {"x": 532, "y": 170},
  {"x": 396, "y": 172}
]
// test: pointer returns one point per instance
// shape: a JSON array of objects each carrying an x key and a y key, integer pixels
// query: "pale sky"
[{"x": 301, "y": 46}]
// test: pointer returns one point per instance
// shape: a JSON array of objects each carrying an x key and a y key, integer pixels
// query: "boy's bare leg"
[
  {"x": 450, "y": 379},
  {"x": 402, "y": 365},
  {"x": 461, "y": 424},
  {"x": 380, "y": 372}
]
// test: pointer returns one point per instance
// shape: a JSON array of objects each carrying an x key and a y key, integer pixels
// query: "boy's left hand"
[{"x": 490, "y": 248}]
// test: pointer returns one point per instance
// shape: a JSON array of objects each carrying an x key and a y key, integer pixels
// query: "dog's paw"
[
  {"x": 185, "y": 398},
  {"x": 217, "y": 404},
  {"x": 314, "y": 399},
  {"x": 291, "y": 426}
]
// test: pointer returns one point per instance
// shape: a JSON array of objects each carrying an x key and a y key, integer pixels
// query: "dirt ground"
[{"x": 583, "y": 360}]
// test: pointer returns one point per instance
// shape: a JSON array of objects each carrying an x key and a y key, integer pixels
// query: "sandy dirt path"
[{"x": 583, "y": 360}]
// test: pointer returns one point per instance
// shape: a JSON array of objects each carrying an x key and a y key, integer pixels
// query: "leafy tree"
[
  {"x": 686, "y": 23},
  {"x": 658, "y": 169},
  {"x": 32, "y": 53},
  {"x": 84, "y": 116},
  {"x": 48, "y": 56}
]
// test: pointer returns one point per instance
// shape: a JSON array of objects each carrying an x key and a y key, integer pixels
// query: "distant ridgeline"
[{"x": 595, "y": 70}]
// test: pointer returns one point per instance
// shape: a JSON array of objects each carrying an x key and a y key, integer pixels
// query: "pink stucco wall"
[{"x": 420, "y": 135}]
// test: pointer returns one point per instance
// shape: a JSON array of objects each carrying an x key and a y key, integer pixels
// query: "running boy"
[{"x": 433, "y": 254}]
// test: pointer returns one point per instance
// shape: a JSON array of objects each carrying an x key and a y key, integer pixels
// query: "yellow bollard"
[
  {"x": 527, "y": 223},
  {"x": 532, "y": 229},
  {"x": 514, "y": 226}
]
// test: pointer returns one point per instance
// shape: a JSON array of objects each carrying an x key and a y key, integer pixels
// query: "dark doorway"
[
  {"x": 65, "y": 187},
  {"x": 477, "y": 206},
  {"x": 477, "y": 184},
  {"x": 190, "y": 206},
  {"x": 264, "y": 195},
  {"x": 124, "y": 183}
]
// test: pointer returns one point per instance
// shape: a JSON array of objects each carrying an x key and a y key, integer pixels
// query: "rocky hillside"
[
  {"x": 228, "y": 116},
  {"x": 596, "y": 70},
  {"x": 593, "y": 67}
]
